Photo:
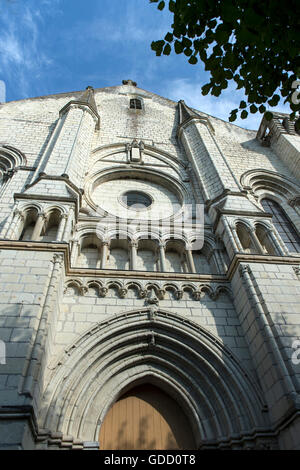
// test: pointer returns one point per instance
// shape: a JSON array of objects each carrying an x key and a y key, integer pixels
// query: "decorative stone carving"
[
  {"x": 122, "y": 292},
  {"x": 135, "y": 151},
  {"x": 103, "y": 291},
  {"x": 152, "y": 298},
  {"x": 297, "y": 271},
  {"x": 129, "y": 82}
]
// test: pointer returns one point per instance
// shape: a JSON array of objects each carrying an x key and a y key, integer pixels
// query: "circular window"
[{"x": 136, "y": 199}]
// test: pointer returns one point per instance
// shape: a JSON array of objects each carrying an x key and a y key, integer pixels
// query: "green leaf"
[
  {"x": 268, "y": 116},
  {"x": 167, "y": 49},
  {"x": 187, "y": 51},
  {"x": 172, "y": 6},
  {"x": 205, "y": 89},
  {"x": 253, "y": 109},
  {"x": 178, "y": 47},
  {"x": 243, "y": 104},
  {"x": 245, "y": 42},
  {"x": 274, "y": 100},
  {"x": 203, "y": 55},
  {"x": 169, "y": 37},
  {"x": 193, "y": 60},
  {"x": 244, "y": 114},
  {"x": 157, "y": 46},
  {"x": 187, "y": 42}
]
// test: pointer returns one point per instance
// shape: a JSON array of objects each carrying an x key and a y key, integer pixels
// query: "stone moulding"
[{"x": 169, "y": 350}]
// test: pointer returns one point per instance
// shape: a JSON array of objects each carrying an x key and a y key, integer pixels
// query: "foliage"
[{"x": 253, "y": 43}]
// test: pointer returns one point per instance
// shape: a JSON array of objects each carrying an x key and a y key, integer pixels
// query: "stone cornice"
[{"x": 262, "y": 259}]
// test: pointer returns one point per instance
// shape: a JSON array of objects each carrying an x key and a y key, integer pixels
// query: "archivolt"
[
  {"x": 261, "y": 180},
  {"x": 188, "y": 362}
]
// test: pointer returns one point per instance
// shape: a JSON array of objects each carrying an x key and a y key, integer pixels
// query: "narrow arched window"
[{"x": 283, "y": 225}]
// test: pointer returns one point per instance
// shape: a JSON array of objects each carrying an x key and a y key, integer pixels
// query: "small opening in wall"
[
  {"x": 136, "y": 200},
  {"x": 135, "y": 103}
]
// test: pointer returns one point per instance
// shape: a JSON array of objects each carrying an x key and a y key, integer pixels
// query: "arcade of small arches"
[
  {"x": 153, "y": 291},
  {"x": 96, "y": 247},
  {"x": 10, "y": 160},
  {"x": 151, "y": 254},
  {"x": 144, "y": 252}
]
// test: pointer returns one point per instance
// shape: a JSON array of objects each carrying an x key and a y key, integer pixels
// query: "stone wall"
[{"x": 239, "y": 307}]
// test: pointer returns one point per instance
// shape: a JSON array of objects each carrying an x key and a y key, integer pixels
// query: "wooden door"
[{"x": 145, "y": 418}]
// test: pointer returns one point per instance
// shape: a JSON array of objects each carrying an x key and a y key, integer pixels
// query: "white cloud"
[
  {"x": 20, "y": 56},
  {"x": 190, "y": 92}
]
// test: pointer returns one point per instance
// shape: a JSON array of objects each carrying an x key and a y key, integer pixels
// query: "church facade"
[{"x": 150, "y": 276}]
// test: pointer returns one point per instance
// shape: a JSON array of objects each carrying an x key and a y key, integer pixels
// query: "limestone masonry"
[{"x": 104, "y": 287}]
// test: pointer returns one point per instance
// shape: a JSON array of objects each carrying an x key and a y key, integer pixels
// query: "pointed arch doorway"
[{"x": 145, "y": 417}]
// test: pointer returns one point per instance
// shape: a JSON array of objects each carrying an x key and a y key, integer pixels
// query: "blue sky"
[{"x": 56, "y": 46}]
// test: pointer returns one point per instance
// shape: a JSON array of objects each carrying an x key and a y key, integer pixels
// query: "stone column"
[
  {"x": 190, "y": 259},
  {"x": 219, "y": 257},
  {"x": 236, "y": 245},
  {"x": 68, "y": 225},
  {"x": 236, "y": 239},
  {"x": 133, "y": 255},
  {"x": 279, "y": 245},
  {"x": 75, "y": 252},
  {"x": 99, "y": 259},
  {"x": 61, "y": 227},
  {"x": 15, "y": 228},
  {"x": 40, "y": 221},
  {"x": 104, "y": 253},
  {"x": 256, "y": 241},
  {"x": 162, "y": 257}
]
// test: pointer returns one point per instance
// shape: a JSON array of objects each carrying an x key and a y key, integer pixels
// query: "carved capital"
[
  {"x": 243, "y": 269},
  {"x": 179, "y": 294},
  {"x": 8, "y": 174},
  {"x": 20, "y": 214},
  {"x": 42, "y": 216},
  {"x": 197, "y": 295},
  {"x": 83, "y": 290},
  {"x": 152, "y": 298},
  {"x": 142, "y": 293},
  {"x": 122, "y": 292},
  {"x": 103, "y": 291},
  {"x": 161, "y": 294},
  {"x": 297, "y": 271},
  {"x": 58, "y": 258}
]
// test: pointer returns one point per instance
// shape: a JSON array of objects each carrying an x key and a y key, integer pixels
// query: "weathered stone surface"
[{"x": 87, "y": 308}]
